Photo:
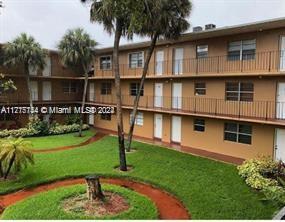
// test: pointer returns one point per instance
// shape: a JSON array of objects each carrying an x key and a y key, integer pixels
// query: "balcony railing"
[
  {"x": 259, "y": 110},
  {"x": 260, "y": 62}
]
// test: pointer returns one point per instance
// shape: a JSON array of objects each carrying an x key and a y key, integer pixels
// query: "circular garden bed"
[{"x": 71, "y": 203}]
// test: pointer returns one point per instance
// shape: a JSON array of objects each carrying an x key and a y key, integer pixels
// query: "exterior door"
[
  {"x": 91, "y": 91},
  {"x": 178, "y": 61},
  {"x": 34, "y": 90},
  {"x": 176, "y": 129},
  {"x": 158, "y": 92},
  {"x": 159, "y": 63},
  {"x": 280, "y": 145},
  {"x": 177, "y": 95},
  {"x": 158, "y": 126},
  {"x": 46, "y": 91},
  {"x": 91, "y": 119},
  {"x": 282, "y": 53},
  {"x": 280, "y": 106},
  {"x": 47, "y": 69}
]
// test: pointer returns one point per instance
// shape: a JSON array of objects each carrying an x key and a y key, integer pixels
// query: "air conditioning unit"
[
  {"x": 210, "y": 26},
  {"x": 197, "y": 29}
]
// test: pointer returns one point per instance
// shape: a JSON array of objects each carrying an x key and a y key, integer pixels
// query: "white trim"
[
  {"x": 111, "y": 57},
  {"x": 142, "y": 59}
]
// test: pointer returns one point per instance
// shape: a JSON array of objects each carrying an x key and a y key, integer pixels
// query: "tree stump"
[{"x": 94, "y": 191}]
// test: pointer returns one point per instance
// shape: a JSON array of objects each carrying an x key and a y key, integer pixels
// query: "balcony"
[
  {"x": 269, "y": 62},
  {"x": 268, "y": 112}
]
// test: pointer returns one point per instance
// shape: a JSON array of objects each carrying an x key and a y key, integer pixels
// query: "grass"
[
  {"x": 46, "y": 205},
  {"x": 48, "y": 142},
  {"x": 209, "y": 189}
]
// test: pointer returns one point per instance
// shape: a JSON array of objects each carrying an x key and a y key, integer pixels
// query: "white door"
[
  {"x": 91, "y": 119},
  {"x": 159, "y": 63},
  {"x": 91, "y": 91},
  {"x": 158, "y": 92},
  {"x": 176, "y": 129},
  {"x": 280, "y": 145},
  {"x": 177, "y": 95},
  {"x": 158, "y": 126},
  {"x": 46, "y": 91},
  {"x": 280, "y": 106},
  {"x": 47, "y": 68},
  {"x": 34, "y": 90},
  {"x": 178, "y": 61},
  {"x": 282, "y": 53}
]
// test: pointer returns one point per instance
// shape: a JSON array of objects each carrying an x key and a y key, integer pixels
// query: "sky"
[{"x": 48, "y": 20}]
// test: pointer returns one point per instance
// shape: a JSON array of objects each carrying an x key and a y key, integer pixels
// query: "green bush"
[
  {"x": 42, "y": 127},
  {"x": 72, "y": 119},
  {"x": 22, "y": 132},
  {"x": 254, "y": 172},
  {"x": 61, "y": 129}
]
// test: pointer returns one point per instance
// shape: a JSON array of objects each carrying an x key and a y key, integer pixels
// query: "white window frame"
[
  {"x": 239, "y": 92},
  {"x": 241, "y": 43},
  {"x": 237, "y": 133},
  {"x": 129, "y": 62},
  {"x": 139, "y": 119},
  {"x": 200, "y": 88},
  {"x": 101, "y": 67},
  {"x": 202, "y": 49}
]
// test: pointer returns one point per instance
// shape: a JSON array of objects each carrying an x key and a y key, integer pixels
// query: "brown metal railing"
[
  {"x": 260, "y": 62},
  {"x": 260, "y": 110}
]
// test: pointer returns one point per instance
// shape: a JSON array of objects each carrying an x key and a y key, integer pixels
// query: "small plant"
[
  {"x": 15, "y": 153},
  {"x": 72, "y": 119},
  {"x": 266, "y": 175}
]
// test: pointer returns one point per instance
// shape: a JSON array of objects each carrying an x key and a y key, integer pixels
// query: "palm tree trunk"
[
  {"x": 83, "y": 101},
  {"x": 137, "y": 99},
  {"x": 122, "y": 154},
  {"x": 10, "y": 166},
  {"x": 29, "y": 89},
  {"x": 1, "y": 170}
]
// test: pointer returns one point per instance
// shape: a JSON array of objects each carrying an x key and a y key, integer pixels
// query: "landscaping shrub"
[
  {"x": 72, "y": 119},
  {"x": 264, "y": 174},
  {"x": 54, "y": 130},
  {"x": 42, "y": 127}
]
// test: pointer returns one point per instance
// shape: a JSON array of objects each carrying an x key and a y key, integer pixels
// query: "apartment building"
[
  {"x": 219, "y": 90},
  {"x": 215, "y": 90}
]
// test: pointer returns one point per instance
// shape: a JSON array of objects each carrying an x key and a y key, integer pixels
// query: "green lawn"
[
  {"x": 45, "y": 206},
  {"x": 48, "y": 142},
  {"x": 209, "y": 189}
]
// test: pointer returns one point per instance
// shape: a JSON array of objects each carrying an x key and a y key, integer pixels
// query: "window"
[
  {"x": 200, "y": 88},
  {"x": 239, "y": 91},
  {"x": 106, "y": 116},
  {"x": 242, "y": 50},
  {"x": 239, "y": 133},
  {"x": 69, "y": 87},
  {"x": 106, "y": 88},
  {"x": 139, "y": 119},
  {"x": 202, "y": 51},
  {"x": 105, "y": 62},
  {"x": 136, "y": 60},
  {"x": 134, "y": 89},
  {"x": 199, "y": 125}
]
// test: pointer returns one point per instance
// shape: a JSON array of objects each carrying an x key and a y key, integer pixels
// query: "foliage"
[
  {"x": 256, "y": 173},
  {"x": 6, "y": 86},
  {"x": 42, "y": 127},
  {"x": 77, "y": 49},
  {"x": 16, "y": 153},
  {"x": 30, "y": 131},
  {"x": 72, "y": 119},
  {"x": 61, "y": 129},
  {"x": 24, "y": 50}
]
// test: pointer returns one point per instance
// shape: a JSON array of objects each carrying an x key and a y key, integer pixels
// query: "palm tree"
[
  {"x": 160, "y": 19},
  {"x": 15, "y": 152},
  {"x": 24, "y": 50},
  {"x": 115, "y": 16},
  {"x": 77, "y": 49}
]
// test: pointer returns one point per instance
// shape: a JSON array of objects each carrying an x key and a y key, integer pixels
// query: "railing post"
[
  {"x": 239, "y": 109},
  {"x": 216, "y": 104},
  {"x": 266, "y": 114},
  {"x": 269, "y": 68}
]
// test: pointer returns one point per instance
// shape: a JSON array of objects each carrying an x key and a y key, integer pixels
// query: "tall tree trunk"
[
  {"x": 83, "y": 101},
  {"x": 1, "y": 170},
  {"x": 122, "y": 154},
  {"x": 10, "y": 166},
  {"x": 137, "y": 99},
  {"x": 29, "y": 89}
]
